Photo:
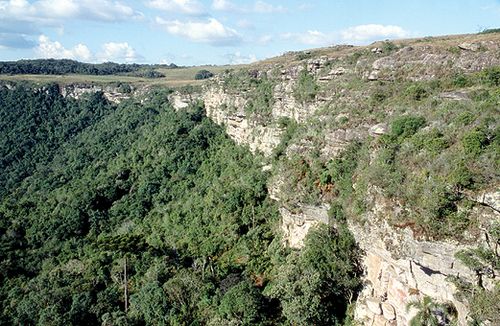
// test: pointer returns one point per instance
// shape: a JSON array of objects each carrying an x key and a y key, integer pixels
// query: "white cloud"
[
  {"x": 257, "y": 7},
  {"x": 55, "y": 50},
  {"x": 372, "y": 32},
  {"x": 211, "y": 31},
  {"x": 305, "y": 6},
  {"x": 224, "y": 5},
  {"x": 238, "y": 59},
  {"x": 315, "y": 38},
  {"x": 52, "y": 11},
  {"x": 189, "y": 7},
  {"x": 264, "y": 7},
  {"x": 22, "y": 19},
  {"x": 265, "y": 39},
  {"x": 360, "y": 34},
  {"x": 244, "y": 23},
  {"x": 116, "y": 52}
]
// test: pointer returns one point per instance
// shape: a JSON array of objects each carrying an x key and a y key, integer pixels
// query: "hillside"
[{"x": 340, "y": 185}]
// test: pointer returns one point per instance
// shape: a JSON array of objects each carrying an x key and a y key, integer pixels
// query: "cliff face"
[
  {"x": 344, "y": 95},
  {"x": 399, "y": 266}
]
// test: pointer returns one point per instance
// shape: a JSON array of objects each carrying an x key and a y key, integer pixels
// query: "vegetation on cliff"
[{"x": 137, "y": 214}]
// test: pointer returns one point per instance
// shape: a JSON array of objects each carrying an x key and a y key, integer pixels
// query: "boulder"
[
  {"x": 455, "y": 96},
  {"x": 374, "y": 75},
  {"x": 338, "y": 71},
  {"x": 374, "y": 306},
  {"x": 388, "y": 311},
  {"x": 378, "y": 129},
  {"x": 469, "y": 46}
]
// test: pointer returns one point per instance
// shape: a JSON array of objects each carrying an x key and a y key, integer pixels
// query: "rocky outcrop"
[
  {"x": 113, "y": 94},
  {"x": 183, "y": 100},
  {"x": 398, "y": 267},
  {"x": 229, "y": 110},
  {"x": 295, "y": 225},
  {"x": 424, "y": 62},
  {"x": 392, "y": 280}
]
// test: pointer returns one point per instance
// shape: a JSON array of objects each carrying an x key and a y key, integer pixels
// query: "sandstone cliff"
[{"x": 400, "y": 265}]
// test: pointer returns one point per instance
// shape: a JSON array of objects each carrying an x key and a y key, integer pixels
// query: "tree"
[
  {"x": 203, "y": 74},
  {"x": 431, "y": 313}
]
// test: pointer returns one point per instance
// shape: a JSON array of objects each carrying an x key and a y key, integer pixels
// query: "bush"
[
  {"x": 388, "y": 46},
  {"x": 306, "y": 88},
  {"x": 433, "y": 142},
  {"x": 261, "y": 101},
  {"x": 203, "y": 74},
  {"x": 461, "y": 80},
  {"x": 416, "y": 92},
  {"x": 315, "y": 286},
  {"x": 491, "y": 76},
  {"x": 405, "y": 127},
  {"x": 465, "y": 118},
  {"x": 379, "y": 96},
  {"x": 474, "y": 142},
  {"x": 490, "y": 31}
]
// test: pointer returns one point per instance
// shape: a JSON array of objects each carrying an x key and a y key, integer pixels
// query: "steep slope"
[
  {"x": 396, "y": 143},
  {"x": 401, "y": 140}
]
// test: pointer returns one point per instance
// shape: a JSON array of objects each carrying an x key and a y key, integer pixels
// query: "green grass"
[{"x": 173, "y": 77}]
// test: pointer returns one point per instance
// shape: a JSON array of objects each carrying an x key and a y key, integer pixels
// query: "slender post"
[{"x": 126, "y": 284}]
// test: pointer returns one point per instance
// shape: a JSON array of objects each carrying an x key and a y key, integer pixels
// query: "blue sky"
[{"x": 194, "y": 32}]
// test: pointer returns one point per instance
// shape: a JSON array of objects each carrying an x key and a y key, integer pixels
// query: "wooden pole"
[{"x": 126, "y": 284}]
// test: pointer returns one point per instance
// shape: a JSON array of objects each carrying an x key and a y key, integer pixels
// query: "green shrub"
[
  {"x": 404, "y": 127},
  {"x": 484, "y": 304},
  {"x": 314, "y": 285},
  {"x": 433, "y": 141},
  {"x": 490, "y": 31},
  {"x": 340, "y": 170},
  {"x": 388, "y": 46},
  {"x": 290, "y": 127},
  {"x": 336, "y": 211},
  {"x": 465, "y": 118},
  {"x": 306, "y": 88},
  {"x": 261, "y": 101},
  {"x": 461, "y": 80},
  {"x": 416, "y": 92},
  {"x": 461, "y": 177},
  {"x": 474, "y": 142},
  {"x": 490, "y": 76},
  {"x": 241, "y": 303},
  {"x": 203, "y": 74},
  {"x": 432, "y": 313},
  {"x": 379, "y": 96}
]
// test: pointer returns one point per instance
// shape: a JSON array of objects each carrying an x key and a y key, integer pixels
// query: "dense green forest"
[
  {"x": 67, "y": 66},
  {"x": 137, "y": 214}
]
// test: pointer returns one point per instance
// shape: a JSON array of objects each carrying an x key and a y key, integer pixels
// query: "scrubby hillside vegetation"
[
  {"x": 137, "y": 214},
  {"x": 401, "y": 140}
]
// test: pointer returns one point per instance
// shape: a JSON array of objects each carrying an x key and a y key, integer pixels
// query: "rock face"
[
  {"x": 394, "y": 280},
  {"x": 398, "y": 268},
  {"x": 296, "y": 225},
  {"x": 112, "y": 93},
  {"x": 228, "y": 110}
]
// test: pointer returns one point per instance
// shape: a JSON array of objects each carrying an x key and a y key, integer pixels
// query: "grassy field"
[{"x": 173, "y": 77}]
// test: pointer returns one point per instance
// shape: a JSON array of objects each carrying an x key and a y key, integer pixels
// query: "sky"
[{"x": 196, "y": 32}]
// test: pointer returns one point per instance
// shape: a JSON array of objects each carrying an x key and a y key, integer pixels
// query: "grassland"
[{"x": 173, "y": 77}]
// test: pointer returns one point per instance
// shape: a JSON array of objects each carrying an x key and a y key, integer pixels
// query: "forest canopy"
[
  {"x": 67, "y": 66},
  {"x": 91, "y": 191}
]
